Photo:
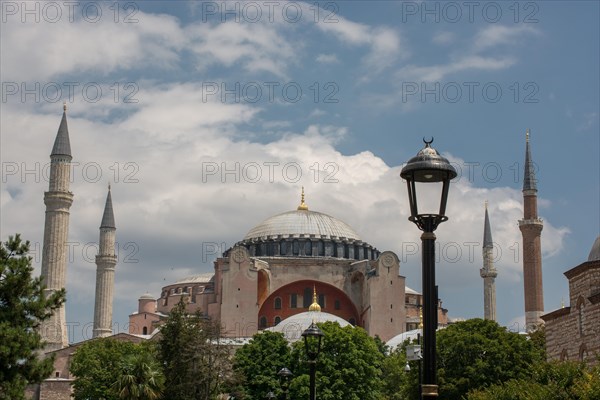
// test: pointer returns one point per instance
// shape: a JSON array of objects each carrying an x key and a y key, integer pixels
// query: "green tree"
[
  {"x": 548, "y": 381},
  {"x": 193, "y": 354},
  {"x": 397, "y": 382},
  {"x": 22, "y": 307},
  {"x": 97, "y": 365},
  {"x": 348, "y": 368},
  {"x": 141, "y": 378},
  {"x": 257, "y": 363},
  {"x": 477, "y": 353}
]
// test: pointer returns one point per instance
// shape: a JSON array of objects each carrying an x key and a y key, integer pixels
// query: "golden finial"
[
  {"x": 315, "y": 304},
  {"x": 421, "y": 317},
  {"x": 65, "y": 106},
  {"x": 302, "y": 205},
  {"x": 527, "y": 135}
]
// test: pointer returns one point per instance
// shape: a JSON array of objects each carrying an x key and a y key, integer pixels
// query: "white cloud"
[
  {"x": 102, "y": 47},
  {"x": 438, "y": 72},
  {"x": 444, "y": 38},
  {"x": 495, "y": 35},
  {"x": 256, "y": 47},
  {"x": 327, "y": 59}
]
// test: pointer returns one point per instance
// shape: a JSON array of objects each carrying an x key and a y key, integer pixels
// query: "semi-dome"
[
  {"x": 292, "y": 327},
  {"x": 302, "y": 222}
]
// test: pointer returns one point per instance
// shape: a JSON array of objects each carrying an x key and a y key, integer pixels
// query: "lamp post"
[
  {"x": 428, "y": 167},
  {"x": 312, "y": 343},
  {"x": 284, "y": 376}
]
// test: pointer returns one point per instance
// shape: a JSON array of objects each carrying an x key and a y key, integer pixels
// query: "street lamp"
[
  {"x": 312, "y": 343},
  {"x": 284, "y": 376},
  {"x": 428, "y": 167}
]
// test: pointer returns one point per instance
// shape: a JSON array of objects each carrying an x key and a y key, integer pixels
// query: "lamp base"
[{"x": 429, "y": 391}]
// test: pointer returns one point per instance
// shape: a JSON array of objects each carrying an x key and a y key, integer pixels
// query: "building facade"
[
  {"x": 271, "y": 274},
  {"x": 573, "y": 332}
]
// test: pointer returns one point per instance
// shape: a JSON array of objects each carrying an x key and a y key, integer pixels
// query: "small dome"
[
  {"x": 398, "y": 340},
  {"x": 595, "y": 251},
  {"x": 147, "y": 296},
  {"x": 292, "y": 327},
  {"x": 302, "y": 222}
]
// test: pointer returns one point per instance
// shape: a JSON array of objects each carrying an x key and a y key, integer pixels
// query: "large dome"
[{"x": 302, "y": 222}]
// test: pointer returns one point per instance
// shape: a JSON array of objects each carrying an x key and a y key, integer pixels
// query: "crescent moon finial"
[{"x": 427, "y": 143}]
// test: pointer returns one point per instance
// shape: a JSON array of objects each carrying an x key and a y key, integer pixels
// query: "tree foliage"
[
  {"x": 549, "y": 381},
  {"x": 193, "y": 354},
  {"x": 22, "y": 307},
  {"x": 477, "y": 353},
  {"x": 141, "y": 378},
  {"x": 99, "y": 363},
  {"x": 348, "y": 368},
  {"x": 256, "y": 364}
]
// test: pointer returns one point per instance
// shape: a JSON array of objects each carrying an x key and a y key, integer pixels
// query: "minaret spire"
[
  {"x": 105, "y": 272},
  {"x": 531, "y": 228},
  {"x": 58, "y": 200},
  {"x": 488, "y": 272},
  {"x": 529, "y": 182}
]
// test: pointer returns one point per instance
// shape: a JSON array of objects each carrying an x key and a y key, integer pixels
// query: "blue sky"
[{"x": 347, "y": 89}]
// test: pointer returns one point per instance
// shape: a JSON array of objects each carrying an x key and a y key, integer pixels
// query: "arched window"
[
  {"x": 308, "y": 248},
  {"x": 293, "y": 300},
  {"x": 356, "y": 252},
  {"x": 277, "y": 320},
  {"x": 283, "y": 248},
  {"x": 336, "y": 304},
  {"x": 307, "y": 298},
  {"x": 278, "y": 303},
  {"x": 296, "y": 247},
  {"x": 321, "y": 248},
  {"x": 144, "y": 331},
  {"x": 322, "y": 300},
  {"x": 262, "y": 323}
]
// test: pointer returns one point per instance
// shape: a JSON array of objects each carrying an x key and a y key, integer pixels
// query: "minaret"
[
  {"x": 105, "y": 272},
  {"x": 488, "y": 272},
  {"x": 58, "y": 200},
  {"x": 531, "y": 229}
]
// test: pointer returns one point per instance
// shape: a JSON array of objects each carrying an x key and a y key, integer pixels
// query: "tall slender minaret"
[
  {"x": 531, "y": 228},
  {"x": 488, "y": 272},
  {"x": 105, "y": 272},
  {"x": 58, "y": 200}
]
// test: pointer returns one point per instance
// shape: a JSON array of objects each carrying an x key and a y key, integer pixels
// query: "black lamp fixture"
[
  {"x": 284, "y": 376},
  {"x": 428, "y": 167},
  {"x": 312, "y": 343}
]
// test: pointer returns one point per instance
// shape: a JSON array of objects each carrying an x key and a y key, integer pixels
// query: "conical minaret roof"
[
  {"x": 487, "y": 231},
  {"x": 529, "y": 178},
  {"x": 62, "y": 145},
  {"x": 108, "y": 218}
]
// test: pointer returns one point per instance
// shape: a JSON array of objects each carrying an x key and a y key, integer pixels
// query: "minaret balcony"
[{"x": 532, "y": 221}]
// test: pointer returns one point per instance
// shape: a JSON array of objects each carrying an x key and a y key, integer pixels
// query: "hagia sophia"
[
  {"x": 270, "y": 275},
  {"x": 294, "y": 261}
]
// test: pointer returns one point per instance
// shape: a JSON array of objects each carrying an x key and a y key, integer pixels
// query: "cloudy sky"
[{"x": 208, "y": 117}]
